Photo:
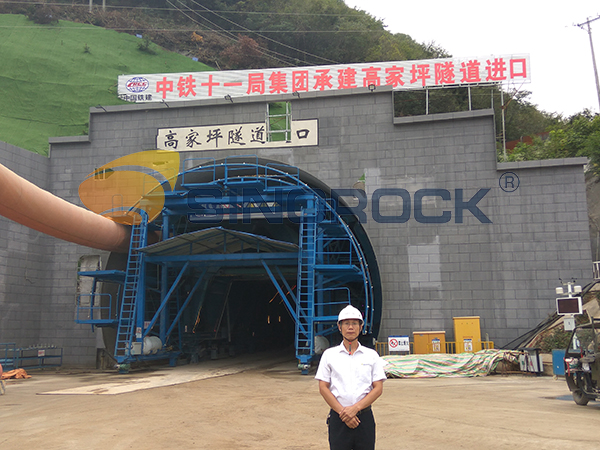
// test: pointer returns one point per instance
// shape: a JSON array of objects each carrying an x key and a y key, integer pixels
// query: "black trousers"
[{"x": 341, "y": 437}]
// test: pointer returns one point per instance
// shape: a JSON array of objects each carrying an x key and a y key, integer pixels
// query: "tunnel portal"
[{"x": 253, "y": 254}]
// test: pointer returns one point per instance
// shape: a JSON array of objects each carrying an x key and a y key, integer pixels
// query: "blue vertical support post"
[
  {"x": 164, "y": 283},
  {"x": 164, "y": 289},
  {"x": 319, "y": 259},
  {"x": 165, "y": 226}
]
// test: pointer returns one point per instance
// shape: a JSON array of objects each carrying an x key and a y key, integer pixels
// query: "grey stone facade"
[
  {"x": 23, "y": 258},
  {"x": 38, "y": 273},
  {"x": 504, "y": 271}
]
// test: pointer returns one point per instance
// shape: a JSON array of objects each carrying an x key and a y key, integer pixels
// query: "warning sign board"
[{"x": 398, "y": 344}]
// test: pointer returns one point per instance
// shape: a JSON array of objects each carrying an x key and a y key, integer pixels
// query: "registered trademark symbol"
[{"x": 509, "y": 182}]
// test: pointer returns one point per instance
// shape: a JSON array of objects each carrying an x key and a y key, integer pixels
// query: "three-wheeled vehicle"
[{"x": 582, "y": 363}]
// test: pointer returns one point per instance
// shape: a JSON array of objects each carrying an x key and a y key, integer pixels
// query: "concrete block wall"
[
  {"x": 69, "y": 167},
  {"x": 38, "y": 273},
  {"x": 504, "y": 271},
  {"x": 24, "y": 282},
  {"x": 541, "y": 237}
]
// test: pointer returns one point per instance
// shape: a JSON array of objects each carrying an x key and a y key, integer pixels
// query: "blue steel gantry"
[{"x": 207, "y": 227}]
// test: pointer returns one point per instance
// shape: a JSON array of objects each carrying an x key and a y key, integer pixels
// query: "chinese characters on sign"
[
  {"x": 398, "y": 74},
  {"x": 222, "y": 137},
  {"x": 398, "y": 344}
]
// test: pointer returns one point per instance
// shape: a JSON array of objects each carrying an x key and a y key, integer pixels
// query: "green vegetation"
[
  {"x": 52, "y": 74},
  {"x": 59, "y": 60},
  {"x": 578, "y": 135},
  {"x": 326, "y": 31},
  {"x": 556, "y": 338}
]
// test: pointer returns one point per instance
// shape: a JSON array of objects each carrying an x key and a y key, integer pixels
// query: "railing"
[
  {"x": 383, "y": 349},
  {"x": 34, "y": 357},
  {"x": 39, "y": 357},
  {"x": 8, "y": 356},
  {"x": 199, "y": 165},
  {"x": 487, "y": 345},
  {"x": 450, "y": 347},
  {"x": 90, "y": 311}
]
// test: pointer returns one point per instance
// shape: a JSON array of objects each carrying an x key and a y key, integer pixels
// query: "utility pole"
[{"x": 589, "y": 30}]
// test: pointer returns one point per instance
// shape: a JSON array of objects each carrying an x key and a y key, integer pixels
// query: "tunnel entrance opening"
[
  {"x": 261, "y": 320},
  {"x": 235, "y": 314},
  {"x": 242, "y": 316},
  {"x": 207, "y": 293}
]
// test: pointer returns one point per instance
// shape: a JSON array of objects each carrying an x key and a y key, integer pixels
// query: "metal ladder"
[
  {"x": 131, "y": 291},
  {"x": 306, "y": 286}
]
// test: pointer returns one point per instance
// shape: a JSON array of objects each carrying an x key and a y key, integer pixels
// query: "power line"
[
  {"x": 266, "y": 38},
  {"x": 266, "y": 13},
  {"x": 265, "y": 52},
  {"x": 192, "y": 29},
  {"x": 240, "y": 30},
  {"x": 227, "y": 34}
]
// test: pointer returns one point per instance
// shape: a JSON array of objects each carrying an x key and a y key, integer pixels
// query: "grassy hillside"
[{"x": 51, "y": 75}]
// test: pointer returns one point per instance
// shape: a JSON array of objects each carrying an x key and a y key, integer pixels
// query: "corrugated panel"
[{"x": 218, "y": 240}]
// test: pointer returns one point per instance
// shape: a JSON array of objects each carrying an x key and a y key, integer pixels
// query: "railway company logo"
[{"x": 137, "y": 84}]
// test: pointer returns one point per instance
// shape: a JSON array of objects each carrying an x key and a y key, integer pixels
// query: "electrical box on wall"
[
  {"x": 467, "y": 334},
  {"x": 429, "y": 342}
]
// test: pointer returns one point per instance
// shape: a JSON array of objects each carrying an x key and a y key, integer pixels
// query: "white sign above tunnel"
[
  {"x": 235, "y": 136},
  {"x": 414, "y": 74}
]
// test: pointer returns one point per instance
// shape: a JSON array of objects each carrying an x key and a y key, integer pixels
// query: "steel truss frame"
[{"x": 328, "y": 258}]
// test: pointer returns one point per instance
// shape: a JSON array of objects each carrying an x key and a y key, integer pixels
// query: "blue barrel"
[{"x": 558, "y": 362}]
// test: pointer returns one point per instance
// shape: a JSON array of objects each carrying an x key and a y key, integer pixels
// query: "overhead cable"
[
  {"x": 264, "y": 37},
  {"x": 227, "y": 33},
  {"x": 268, "y": 13}
]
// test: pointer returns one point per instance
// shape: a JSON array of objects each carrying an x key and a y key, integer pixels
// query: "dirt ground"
[{"x": 265, "y": 403}]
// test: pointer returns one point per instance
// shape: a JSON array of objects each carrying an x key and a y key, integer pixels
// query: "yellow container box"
[
  {"x": 467, "y": 334},
  {"x": 429, "y": 342}
]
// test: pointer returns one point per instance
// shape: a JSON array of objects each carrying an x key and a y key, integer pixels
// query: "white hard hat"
[{"x": 350, "y": 312}]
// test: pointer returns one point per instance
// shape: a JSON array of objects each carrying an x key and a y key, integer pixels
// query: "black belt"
[{"x": 368, "y": 408}]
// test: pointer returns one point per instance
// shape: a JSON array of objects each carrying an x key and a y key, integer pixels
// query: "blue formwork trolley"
[{"x": 330, "y": 264}]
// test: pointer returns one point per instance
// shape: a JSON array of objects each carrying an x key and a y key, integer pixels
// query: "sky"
[{"x": 562, "y": 72}]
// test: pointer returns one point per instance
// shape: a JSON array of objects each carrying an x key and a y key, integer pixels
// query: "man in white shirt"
[{"x": 351, "y": 378}]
